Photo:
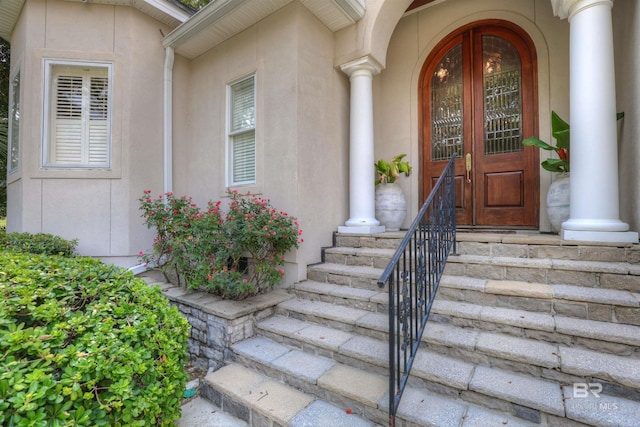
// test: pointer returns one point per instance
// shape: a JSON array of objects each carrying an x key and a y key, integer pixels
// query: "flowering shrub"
[{"x": 234, "y": 253}]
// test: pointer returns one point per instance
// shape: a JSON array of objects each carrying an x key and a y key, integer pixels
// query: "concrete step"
[
  {"x": 609, "y": 305},
  {"x": 363, "y": 391},
  {"x": 200, "y": 412},
  {"x": 262, "y": 401}
]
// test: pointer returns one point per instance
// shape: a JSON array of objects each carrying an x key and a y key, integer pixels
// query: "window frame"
[
  {"x": 231, "y": 133},
  {"x": 14, "y": 143},
  {"x": 49, "y": 110}
]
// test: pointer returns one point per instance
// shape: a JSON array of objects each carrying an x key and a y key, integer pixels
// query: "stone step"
[
  {"x": 355, "y": 276},
  {"x": 527, "y": 244},
  {"x": 609, "y": 305},
  {"x": 370, "y": 257},
  {"x": 261, "y": 401},
  {"x": 364, "y": 299},
  {"x": 451, "y": 352},
  {"x": 596, "y": 274},
  {"x": 361, "y": 390},
  {"x": 614, "y": 338},
  {"x": 620, "y": 375}
]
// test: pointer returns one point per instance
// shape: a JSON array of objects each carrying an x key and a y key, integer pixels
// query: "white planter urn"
[
  {"x": 558, "y": 201},
  {"x": 391, "y": 206}
]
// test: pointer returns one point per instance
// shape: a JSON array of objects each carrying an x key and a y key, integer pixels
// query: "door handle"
[{"x": 468, "y": 167}]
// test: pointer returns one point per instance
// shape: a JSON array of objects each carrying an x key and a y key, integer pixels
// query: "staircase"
[{"x": 526, "y": 330}]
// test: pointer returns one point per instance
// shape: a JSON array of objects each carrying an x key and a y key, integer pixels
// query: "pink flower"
[
  {"x": 281, "y": 271},
  {"x": 244, "y": 280},
  {"x": 141, "y": 253}
]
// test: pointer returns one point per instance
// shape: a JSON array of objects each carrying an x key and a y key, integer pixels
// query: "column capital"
[
  {"x": 565, "y": 9},
  {"x": 366, "y": 63}
]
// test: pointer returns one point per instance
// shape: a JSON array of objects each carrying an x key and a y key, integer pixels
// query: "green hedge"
[
  {"x": 84, "y": 343},
  {"x": 40, "y": 243}
]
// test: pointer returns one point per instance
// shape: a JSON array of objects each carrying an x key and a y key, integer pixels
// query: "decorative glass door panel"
[
  {"x": 502, "y": 101},
  {"x": 447, "y": 113},
  {"x": 478, "y": 101}
]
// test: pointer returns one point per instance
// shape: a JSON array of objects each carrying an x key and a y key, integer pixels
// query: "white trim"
[
  {"x": 168, "y": 9},
  {"x": 48, "y": 64},
  {"x": 353, "y": 8},
  {"x": 168, "y": 120},
  {"x": 229, "y": 182},
  {"x": 17, "y": 73},
  {"x": 208, "y": 15}
]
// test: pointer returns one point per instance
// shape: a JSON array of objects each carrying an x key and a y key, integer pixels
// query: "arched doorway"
[{"x": 478, "y": 99}]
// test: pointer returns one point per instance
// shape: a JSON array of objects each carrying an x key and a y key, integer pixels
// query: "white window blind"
[
  {"x": 242, "y": 137},
  {"x": 79, "y": 130}
]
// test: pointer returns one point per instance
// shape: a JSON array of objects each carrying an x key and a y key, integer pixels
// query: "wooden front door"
[{"x": 478, "y": 100}]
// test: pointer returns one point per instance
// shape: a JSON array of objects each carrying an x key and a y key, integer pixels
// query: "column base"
[
  {"x": 600, "y": 236},
  {"x": 361, "y": 229}
]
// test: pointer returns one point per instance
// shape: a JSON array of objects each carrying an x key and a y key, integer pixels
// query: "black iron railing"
[{"x": 412, "y": 277}]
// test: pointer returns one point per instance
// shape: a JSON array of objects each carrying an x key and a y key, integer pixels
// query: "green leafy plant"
[
  {"x": 388, "y": 172},
  {"x": 86, "y": 344},
  {"x": 560, "y": 130},
  {"x": 39, "y": 243},
  {"x": 234, "y": 253}
]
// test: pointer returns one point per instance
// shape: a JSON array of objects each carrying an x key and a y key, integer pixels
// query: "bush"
[
  {"x": 234, "y": 254},
  {"x": 83, "y": 343},
  {"x": 41, "y": 243}
]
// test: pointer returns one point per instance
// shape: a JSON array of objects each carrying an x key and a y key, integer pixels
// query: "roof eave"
[
  {"x": 9, "y": 13},
  {"x": 222, "y": 19}
]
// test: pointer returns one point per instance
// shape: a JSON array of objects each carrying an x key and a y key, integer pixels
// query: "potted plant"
[
  {"x": 391, "y": 205},
  {"x": 558, "y": 193}
]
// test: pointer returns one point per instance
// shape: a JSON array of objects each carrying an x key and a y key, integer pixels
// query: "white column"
[
  {"x": 594, "y": 206},
  {"x": 361, "y": 170}
]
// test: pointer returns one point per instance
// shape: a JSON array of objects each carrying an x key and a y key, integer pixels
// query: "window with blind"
[
  {"x": 14, "y": 123},
  {"x": 79, "y": 105},
  {"x": 242, "y": 132}
]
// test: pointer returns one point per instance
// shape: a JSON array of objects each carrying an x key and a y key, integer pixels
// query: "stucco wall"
[
  {"x": 396, "y": 87},
  {"x": 98, "y": 207},
  {"x": 301, "y": 125},
  {"x": 626, "y": 30}
]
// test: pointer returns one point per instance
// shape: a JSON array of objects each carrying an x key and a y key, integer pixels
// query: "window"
[
  {"x": 242, "y": 132},
  {"x": 14, "y": 123},
  {"x": 78, "y": 111}
]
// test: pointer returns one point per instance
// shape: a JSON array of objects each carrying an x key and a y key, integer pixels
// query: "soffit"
[
  {"x": 165, "y": 11},
  {"x": 222, "y": 19},
  {"x": 9, "y": 12}
]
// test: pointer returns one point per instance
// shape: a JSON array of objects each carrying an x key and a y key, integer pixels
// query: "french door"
[{"x": 478, "y": 100}]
